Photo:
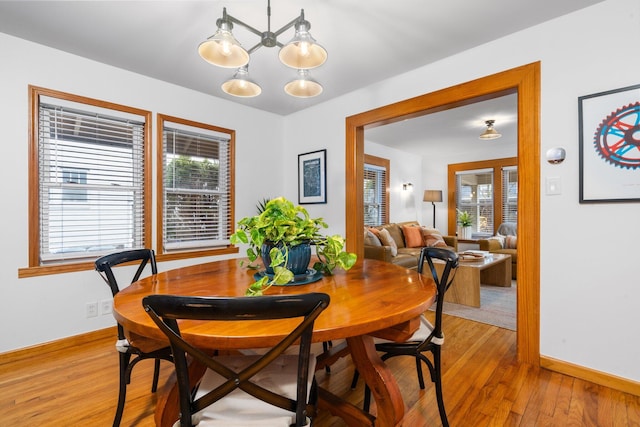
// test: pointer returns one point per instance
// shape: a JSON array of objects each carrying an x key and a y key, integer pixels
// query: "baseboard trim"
[
  {"x": 598, "y": 377},
  {"x": 57, "y": 345}
]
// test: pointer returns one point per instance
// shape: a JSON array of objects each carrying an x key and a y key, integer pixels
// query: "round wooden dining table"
[{"x": 373, "y": 298}]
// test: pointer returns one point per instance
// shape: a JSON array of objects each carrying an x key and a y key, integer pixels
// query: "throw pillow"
[
  {"x": 395, "y": 231},
  {"x": 433, "y": 237},
  {"x": 375, "y": 231},
  {"x": 412, "y": 236},
  {"x": 510, "y": 242},
  {"x": 387, "y": 240},
  {"x": 499, "y": 239},
  {"x": 370, "y": 239}
]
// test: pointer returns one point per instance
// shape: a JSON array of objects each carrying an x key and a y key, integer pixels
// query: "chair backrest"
[
  {"x": 165, "y": 310},
  {"x": 104, "y": 265},
  {"x": 443, "y": 281}
]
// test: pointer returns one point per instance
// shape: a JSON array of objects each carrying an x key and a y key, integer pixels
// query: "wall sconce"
[{"x": 407, "y": 186}]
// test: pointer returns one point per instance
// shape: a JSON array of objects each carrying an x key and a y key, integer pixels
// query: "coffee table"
[{"x": 465, "y": 288}]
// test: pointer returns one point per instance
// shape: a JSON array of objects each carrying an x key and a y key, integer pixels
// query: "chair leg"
[
  {"x": 325, "y": 347},
  {"x": 419, "y": 371},
  {"x": 367, "y": 398},
  {"x": 438, "y": 381},
  {"x": 354, "y": 381},
  {"x": 156, "y": 374},
  {"x": 122, "y": 394}
]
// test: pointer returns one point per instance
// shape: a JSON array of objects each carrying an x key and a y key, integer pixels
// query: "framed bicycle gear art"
[{"x": 610, "y": 146}]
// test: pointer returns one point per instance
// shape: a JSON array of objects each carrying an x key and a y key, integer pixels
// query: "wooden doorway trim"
[{"x": 525, "y": 81}]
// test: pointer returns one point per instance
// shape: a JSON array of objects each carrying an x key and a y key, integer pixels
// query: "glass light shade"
[
  {"x": 223, "y": 50},
  {"x": 490, "y": 132},
  {"x": 302, "y": 52},
  {"x": 241, "y": 85},
  {"x": 304, "y": 86}
]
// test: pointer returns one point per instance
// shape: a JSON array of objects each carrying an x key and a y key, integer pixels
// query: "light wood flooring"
[{"x": 483, "y": 386}]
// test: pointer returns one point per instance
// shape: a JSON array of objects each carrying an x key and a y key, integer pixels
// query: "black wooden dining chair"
[
  {"x": 127, "y": 347},
  {"x": 429, "y": 338},
  {"x": 243, "y": 390}
]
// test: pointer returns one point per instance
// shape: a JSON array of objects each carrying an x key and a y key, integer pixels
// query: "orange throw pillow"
[
  {"x": 412, "y": 236},
  {"x": 432, "y": 237}
]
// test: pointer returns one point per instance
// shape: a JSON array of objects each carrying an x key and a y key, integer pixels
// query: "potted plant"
[
  {"x": 465, "y": 221},
  {"x": 281, "y": 232}
]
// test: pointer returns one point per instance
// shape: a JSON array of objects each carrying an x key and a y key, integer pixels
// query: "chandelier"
[{"x": 301, "y": 53}]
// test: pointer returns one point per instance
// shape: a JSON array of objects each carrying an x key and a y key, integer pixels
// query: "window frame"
[
  {"x": 35, "y": 267},
  {"x": 496, "y": 165},
  {"x": 196, "y": 252}
]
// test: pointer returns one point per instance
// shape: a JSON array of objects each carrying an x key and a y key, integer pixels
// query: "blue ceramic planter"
[{"x": 299, "y": 257}]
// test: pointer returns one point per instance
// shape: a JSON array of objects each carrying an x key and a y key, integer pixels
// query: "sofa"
[
  {"x": 504, "y": 242},
  {"x": 408, "y": 237}
]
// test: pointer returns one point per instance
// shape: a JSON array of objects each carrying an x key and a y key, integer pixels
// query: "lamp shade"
[
  {"x": 432, "y": 196},
  {"x": 222, "y": 49},
  {"x": 303, "y": 86},
  {"x": 302, "y": 52},
  {"x": 241, "y": 85}
]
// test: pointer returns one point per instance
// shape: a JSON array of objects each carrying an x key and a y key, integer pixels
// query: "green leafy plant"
[
  {"x": 464, "y": 219},
  {"x": 285, "y": 225}
]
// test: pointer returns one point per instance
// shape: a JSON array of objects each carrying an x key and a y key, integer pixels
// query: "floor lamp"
[{"x": 433, "y": 196}]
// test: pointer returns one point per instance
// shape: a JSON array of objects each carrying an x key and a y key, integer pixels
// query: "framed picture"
[
  {"x": 312, "y": 177},
  {"x": 610, "y": 146}
]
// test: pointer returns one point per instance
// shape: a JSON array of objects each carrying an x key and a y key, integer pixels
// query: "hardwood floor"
[{"x": 483, "y": 386}]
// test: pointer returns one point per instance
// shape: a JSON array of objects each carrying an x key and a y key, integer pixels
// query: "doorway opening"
[{"x": 525, "y": 81}]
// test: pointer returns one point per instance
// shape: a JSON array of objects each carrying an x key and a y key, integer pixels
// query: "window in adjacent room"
[
  {"x": 376, "y": 190},
  {"x": 88, "y": 179},
  {"x": 487, "y": 190},
  {"x": 510, "y": 194},
  {"x": 197, "y": 174}
]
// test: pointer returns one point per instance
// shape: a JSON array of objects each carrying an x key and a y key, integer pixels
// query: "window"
[
  {"x": 474, "y": 195},
  {"x": 376, "y": 190},
  {"x": 487, "y": 190},
  {"x": 196, "y": 186},
  {"x": 74, "y": 176},
  {"x": 88, "y": 178},
  {"x": 510, "y": 194}
]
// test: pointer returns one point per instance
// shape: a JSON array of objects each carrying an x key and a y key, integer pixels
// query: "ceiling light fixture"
[
  {"x": 301, "y": 53},
  {"x": 490, "y": 132}
]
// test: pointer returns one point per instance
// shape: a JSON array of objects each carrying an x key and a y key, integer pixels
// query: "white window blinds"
[
  {"x": 510, "y": 194},
  {"x": 196, "y": 188},
  {"x": 375, "y": 181},
  {"x": 91, "y": 173}
]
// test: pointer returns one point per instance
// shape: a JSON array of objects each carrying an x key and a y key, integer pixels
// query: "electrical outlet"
[
  {"x": 106, "y": 306},
  {"x": 92, "y": 309}
]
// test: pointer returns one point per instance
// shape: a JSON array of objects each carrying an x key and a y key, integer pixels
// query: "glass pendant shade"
[
  {"x": 222, "y": 49},
  {"x": 241, "y": 85},
  {"x": 490, "y": 132},
  {"x": 302, "y": 52},
  {"x": 304, "y": 86}
]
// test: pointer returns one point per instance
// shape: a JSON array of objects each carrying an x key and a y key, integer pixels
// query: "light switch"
[{"x": 554, "y": 186}]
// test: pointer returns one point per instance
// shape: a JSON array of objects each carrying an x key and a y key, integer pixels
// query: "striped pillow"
[{"x": 510, "y": 242}]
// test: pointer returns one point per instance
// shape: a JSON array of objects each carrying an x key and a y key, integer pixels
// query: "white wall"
[
  {"x": 589, "y": 294},
  {"x": 45, "y": 308}
]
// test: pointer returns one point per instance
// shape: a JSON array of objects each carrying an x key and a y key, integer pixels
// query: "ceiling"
[{"x": 367, "y": 41}]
